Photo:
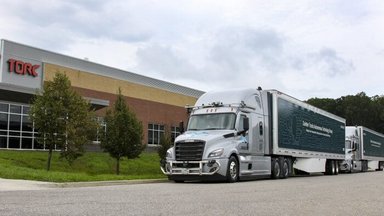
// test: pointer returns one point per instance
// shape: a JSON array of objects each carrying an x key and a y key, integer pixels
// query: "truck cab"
[
  {"x": 225, "y": 133},
  {"x": 364, "y": 150},
  {"x": 352, "y": 161}
]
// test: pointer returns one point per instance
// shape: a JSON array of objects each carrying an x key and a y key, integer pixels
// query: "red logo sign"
[{"x": 22, "y": 68}]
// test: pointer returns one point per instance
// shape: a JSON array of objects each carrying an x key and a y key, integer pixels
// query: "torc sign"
[{"x": 22, "y": 68}]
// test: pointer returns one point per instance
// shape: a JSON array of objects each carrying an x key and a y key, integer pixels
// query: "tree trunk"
[
  {"x": 118, "y": 166},
  {"x": 49, "y": 159}
]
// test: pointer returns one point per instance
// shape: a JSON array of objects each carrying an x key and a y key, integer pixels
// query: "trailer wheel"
[
  {"x": 232, "y": 171},
  {"x": 275, "y": 172},
  {"x": 381, "y": 165},
  {"x": 337, "y": 167},
  {"x": 284, "y": 168},
  {"x": 329, "y": 167}
]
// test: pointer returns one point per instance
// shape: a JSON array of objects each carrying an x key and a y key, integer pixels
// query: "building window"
[
  {"x": 175, "y": 131},
  {"x": 16, "y": 129},
  {"x": 155, "y": 131},
  {"x": 102, "y": 127}
]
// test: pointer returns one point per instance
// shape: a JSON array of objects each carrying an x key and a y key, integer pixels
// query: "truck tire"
[
  {"x": 364, "y": 166},
  {"x": 284, "y": 168},
  {"x": 329, "y": 167},
  {"x": 381, "y": 165},
  {"x": 276, "y": 171},
  {"x": 337, "y": 170},
  {"x": 232, "y": 170}
]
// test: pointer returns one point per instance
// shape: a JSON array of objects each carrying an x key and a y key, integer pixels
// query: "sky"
[{"x": 304, "y": 48}]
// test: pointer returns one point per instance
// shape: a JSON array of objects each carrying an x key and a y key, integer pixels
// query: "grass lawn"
[{"x": 92, "y": 166}]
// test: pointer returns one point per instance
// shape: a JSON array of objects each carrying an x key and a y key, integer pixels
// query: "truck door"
[{"x": 244, "y": 139}]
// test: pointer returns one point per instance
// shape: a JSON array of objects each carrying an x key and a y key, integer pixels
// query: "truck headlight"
[
  {"x": 216, "y": 153},
  {"x": 169, "y": 153}
]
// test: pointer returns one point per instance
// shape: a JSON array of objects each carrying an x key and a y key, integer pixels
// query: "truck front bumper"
[{"x": 196, "y": 168}]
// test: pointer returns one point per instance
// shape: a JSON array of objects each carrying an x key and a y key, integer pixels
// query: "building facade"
[{"x": 158, "y": 104}]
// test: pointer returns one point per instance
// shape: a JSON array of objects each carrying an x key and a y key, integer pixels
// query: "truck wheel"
[
  {"x": 337, "y": 167},
  {"x": 275, "y": 172},
  {"x": 333, "y": 167},
  {"x": 329, "y": 167},
  {"x": 232, "y": 171},
  {"x": 381, "y": 165},
  {"x": 284, "y": 168}
]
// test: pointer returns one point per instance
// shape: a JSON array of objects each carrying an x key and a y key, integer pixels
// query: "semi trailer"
[
  {"x": 364, "y": 150},
  {"x": 253, "y": 133}
]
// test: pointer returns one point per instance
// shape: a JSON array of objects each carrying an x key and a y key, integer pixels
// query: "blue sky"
[{"x": 318, "y": 48}]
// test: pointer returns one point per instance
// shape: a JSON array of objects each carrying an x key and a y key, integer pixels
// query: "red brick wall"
[{"x": 146, "y": 111}]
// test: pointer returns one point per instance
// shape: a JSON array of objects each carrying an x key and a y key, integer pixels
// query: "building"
[{"x": 24, "y": 69}]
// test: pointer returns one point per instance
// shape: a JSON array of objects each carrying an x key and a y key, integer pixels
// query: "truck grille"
[{"x": 189, "y": 151}]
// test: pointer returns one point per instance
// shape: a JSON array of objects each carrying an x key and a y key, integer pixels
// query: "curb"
[{"x": 107, "y": 183}]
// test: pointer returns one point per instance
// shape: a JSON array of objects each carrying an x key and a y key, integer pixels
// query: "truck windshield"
[{"x": 217, "y": 121}]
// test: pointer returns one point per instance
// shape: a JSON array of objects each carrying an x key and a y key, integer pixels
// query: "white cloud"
[{"x": 305, "y": 48}]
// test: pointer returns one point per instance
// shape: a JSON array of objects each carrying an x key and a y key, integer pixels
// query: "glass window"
[
  {"x": 219, "y": 121},
  {"x": 3, "y": 121},
  {"x": 175, "y": 131},
  {"x": 27, "y": 124},
  {"x": 15, "y": 109},
  {"x": 38, "y": 145},
  {"x": 155, "y": 131},
  {"x": 26, "y": 110},
  {"x": 16, "y": 129},
  {"x": 102, "y": 128},
  {"x": 150, "y": 126},
  {"x": 14, "y": 142},
  {"x": 14, "y": 122},
  {"x": 27, "y": 134},
  {"x": 3, "y": 107},
  {"x": 26, "y": 143},
  {"x": 150, "y": 137},
  {"x": 3, "y": 142},
  {"x": 241, "y": 122},
  {"x": 14, "y": 133}
]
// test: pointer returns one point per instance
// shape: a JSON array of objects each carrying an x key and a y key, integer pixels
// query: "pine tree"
[{"x": 124, "y": 133}]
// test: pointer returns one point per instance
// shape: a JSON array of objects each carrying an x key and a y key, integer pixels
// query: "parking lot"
[{"x": 346, "y": 194}]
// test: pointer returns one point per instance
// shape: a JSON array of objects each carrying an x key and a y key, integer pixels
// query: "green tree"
[
  {"x": 358, "y": 109},
  {"x": 165, "y": 144},
  {"x": 124, "y": 133},
  {"x": 63, "y": 118},
  {"x": 327, "y": 104}
]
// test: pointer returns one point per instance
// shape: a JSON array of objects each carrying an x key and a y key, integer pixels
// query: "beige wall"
[{"x": 105, "y": 84}]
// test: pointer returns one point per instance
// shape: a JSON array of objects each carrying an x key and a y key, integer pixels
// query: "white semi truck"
[
  {"x": 252, "y": 133},
  {"x": 364, "y": 150}
]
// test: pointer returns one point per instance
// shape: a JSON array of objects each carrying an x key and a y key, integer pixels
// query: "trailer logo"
[{"x": 22, "y": 68}]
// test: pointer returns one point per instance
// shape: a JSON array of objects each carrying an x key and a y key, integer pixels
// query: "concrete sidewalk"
[{"x": 16, "y": 184}]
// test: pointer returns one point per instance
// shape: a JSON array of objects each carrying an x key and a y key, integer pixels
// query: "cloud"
[
  {"x": 243, "y": 56},
  {"x": 303, "y": 46},
  {"x": 330, "y": 63},
  {"x": 239, "y": 48}
]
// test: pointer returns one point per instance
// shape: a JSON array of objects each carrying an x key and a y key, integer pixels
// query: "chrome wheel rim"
[
  {"x": 233, "y": 170},
  {"x": 277, "y": 169}
]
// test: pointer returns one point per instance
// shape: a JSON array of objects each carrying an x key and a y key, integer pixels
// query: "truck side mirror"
[
  {"x": 181, "y": 127},
  {"x": 246, "y": 124}
]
